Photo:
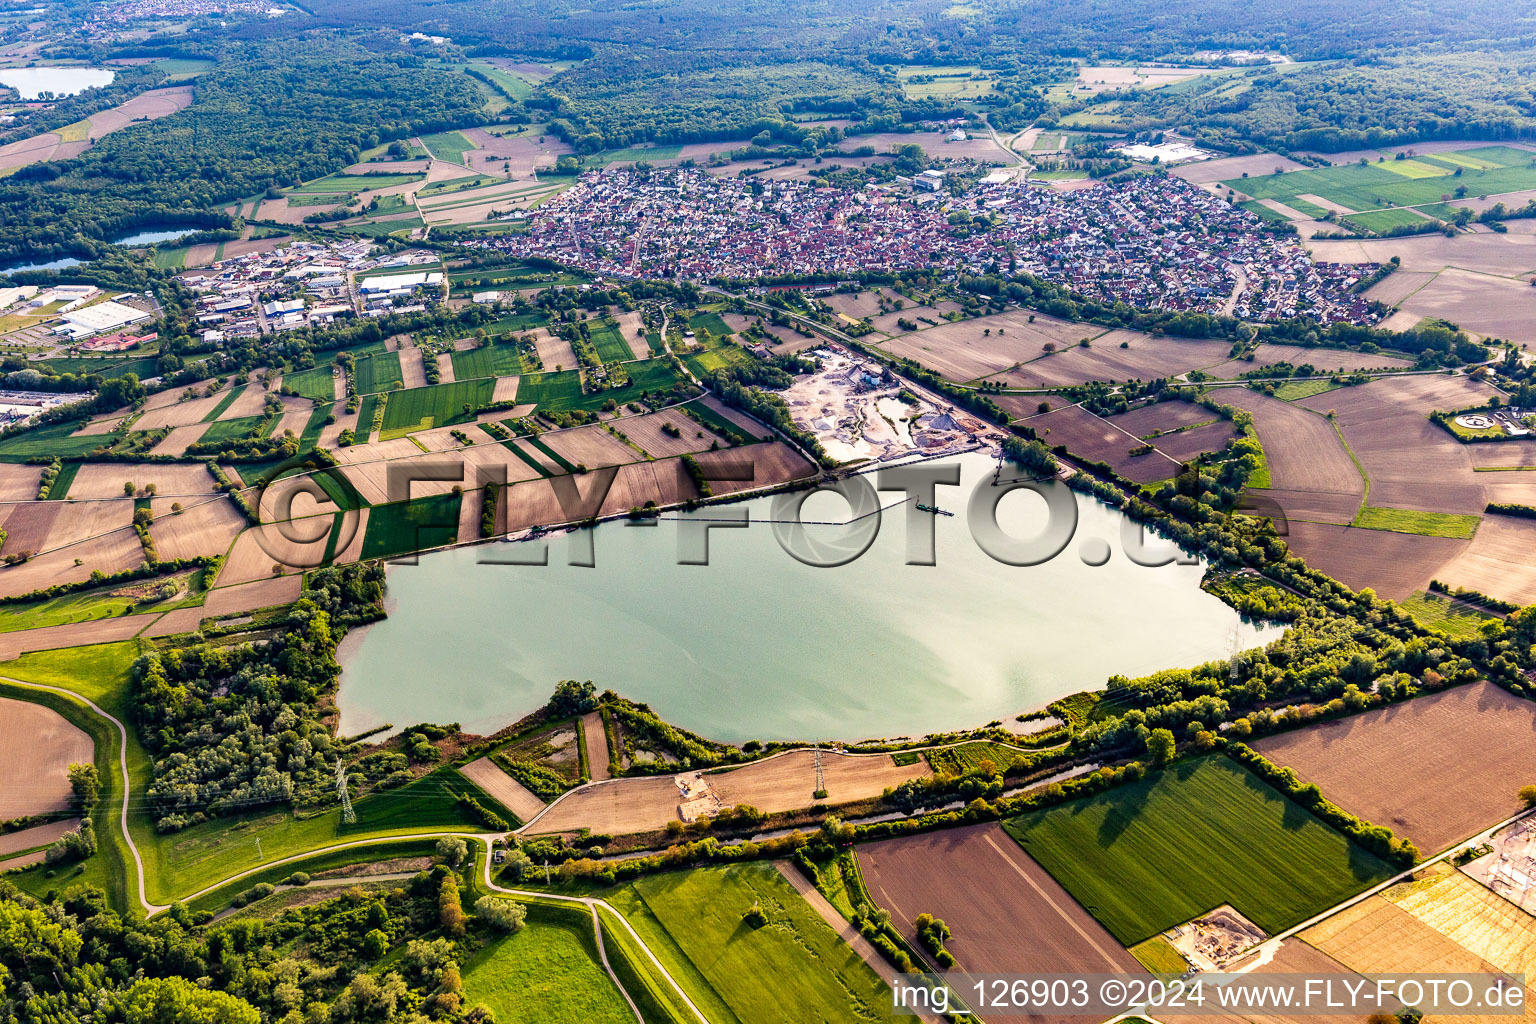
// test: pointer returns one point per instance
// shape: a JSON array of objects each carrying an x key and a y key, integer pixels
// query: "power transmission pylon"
[{"x": 348, "y": 815}]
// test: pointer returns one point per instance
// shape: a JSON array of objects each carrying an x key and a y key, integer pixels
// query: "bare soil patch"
[
  {"x": 1007, "y": 915},
  {"x": 1411, "y": 462},
  {"x": 37, "y": 746},
  {"x": 1144, "y": 358},
  {"x": 106, "y": 479},
  {"x": 963, "y": 351},
  {"x": 503, "y": 787},
  {"x": 647, "y": 432},
  {"x": 1471, "y": 746},
  {"x": 1493, "y": 305},
  {"x": 1259, "y": 164},
  {"x": 19, "y": 483},
  {"x": 37, "y": 835},
  {"x": 1325, "y": 360},
  {"x": 207, "y": 527},
  {"x": 596, "y": 739},
  {"x": 179, "y": 440},
  {"x": 180, "y": 414},
  {"x": 787, "y": 782},
  {"x": 79, "y": 634},
  {"x": 1393, "y": 564},
  {"x": 1498, "y": 560},
  {"x": 1095, "y": 438},
  {"x": 591, "y": 446}
]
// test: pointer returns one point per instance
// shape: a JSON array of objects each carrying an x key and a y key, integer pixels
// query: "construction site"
[{"x": 1510, "y": 870}]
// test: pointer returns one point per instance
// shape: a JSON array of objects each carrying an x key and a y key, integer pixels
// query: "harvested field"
[
  {"x": 961, "y": 352},
  {"x": 1204, "y": 171},
  {"x": 1470, "y": 746},
  {"x": 980, "y": 148},
  {"x": 503, "y": 787},
  {"x": 1007, "y": 915},
  {"x": 147, "y": 106},
  {"x": 1411, "y": 462},
  {"x": 205, "y": 528},
  {"x": 1325, "y": 360},
  {"x": 1163, "y": 416},
  {"x": 1144, "y": 359},
  {"x": 1398, "y": 286},
  {"x": 412, "y": 373},
  {"x": 180, "y": 414},
  {"x": 596, "y": 739},
  {"x": 37, "y": 746},
  {"x": 771, "y": 463},
  {"x": 1483, "y": 923},
  {"x": 79, "y": 634},
  {"x": 179, "y": 440},
  {"x": 19, "y": 483},
  {"x": 106, "y": 479},
  {"x": 786, "y": 782},
  {"x": 506, "y": 390},
  {"x": 782, "y": 783},
  {"x": 1098, "y": 439},
  {"x": 1375, "y": 936},
  {"x": 1302, "y": 449},
  {"x": 516, "y": 157},
  {"x": 44, "y": 525},
  {"x": 591, "y": 446},
  {"x": 1490, "y": 304},
  {"x": 257, "y": 553},
  {"x": 1498, "y": 560},
  {"x": 646, "y": 431},
  {"x": 554, "y": 353},
  {"x": 1395, "y": 565},
  {"x": 112, "y": 552},
  {"x": 444, "y": 362},
  {"x": 1187, "y": 444},
  {"x": 39, "y": 835},
  {"x": 295, "y": 417}
]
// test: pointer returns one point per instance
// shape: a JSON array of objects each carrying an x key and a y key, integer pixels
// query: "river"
[{"x": 756, "y": 645}]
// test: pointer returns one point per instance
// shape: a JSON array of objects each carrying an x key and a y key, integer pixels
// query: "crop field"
[
  {"x": 493, "y": 360},
  {"x": 561, "y": 391},
  {"x": 450, "y": 146},
  {"x": 405, "y": 526},
  {"x": 336, "y": 183},
  {"x": 793, "y": 969},
  {"x": 1095, "y": 438},
  {"x": 1191, "y": 837},
  {"x": 318, "y": 383},
  {"x": 610, "y": 345},
  {"x": 233, "y": 429},
  {"x": 1429, "y": 179},
  {"x": 1498, "y": 562},
  {"x": 1381, "y": 221},
  {"x": 969, "y": 756},
  {"x": 1312, "y": 475},
  {"x": 710, "y": 322},
  {"x": 435, "y": 406},
  {"x": 1006, "y": 914},
  {"x": 1471, "y": 747},
  {"x": 1425, "y": 524},
  {"x": 1436, "y": 611},
  {"x": 547, "y": 971},
  {"x": 378, "y": 372},
  {"x": 716, "y": 354}
]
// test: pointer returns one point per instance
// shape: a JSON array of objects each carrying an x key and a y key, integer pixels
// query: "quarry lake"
[
  {"x": 30, "y": 83},
  {"x": 757, "y": 645}
]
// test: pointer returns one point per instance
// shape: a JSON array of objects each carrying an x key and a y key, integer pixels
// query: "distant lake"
[
  {"x": 154, "y": 236},
  {"x": 33, "y": 82},
  {"x": 58, "y": 264},
  {"x": 759, "y": 646}
]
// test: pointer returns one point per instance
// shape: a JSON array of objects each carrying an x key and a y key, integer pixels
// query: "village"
[{"x": 1155, "y": 242}]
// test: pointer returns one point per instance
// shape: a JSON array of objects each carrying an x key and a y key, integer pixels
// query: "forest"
[
  {"x": 234, "y": 728},
  {"x": 268, "y": 115}
]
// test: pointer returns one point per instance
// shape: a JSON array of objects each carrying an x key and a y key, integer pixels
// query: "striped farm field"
[
  {"x": 377, "y": 372},
  {"x": 1408, "y": 182},
  {"x": 1147, "y": 856},
  {"x": 435, "y": 406},
  {"x": 405, "y": 526}
]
